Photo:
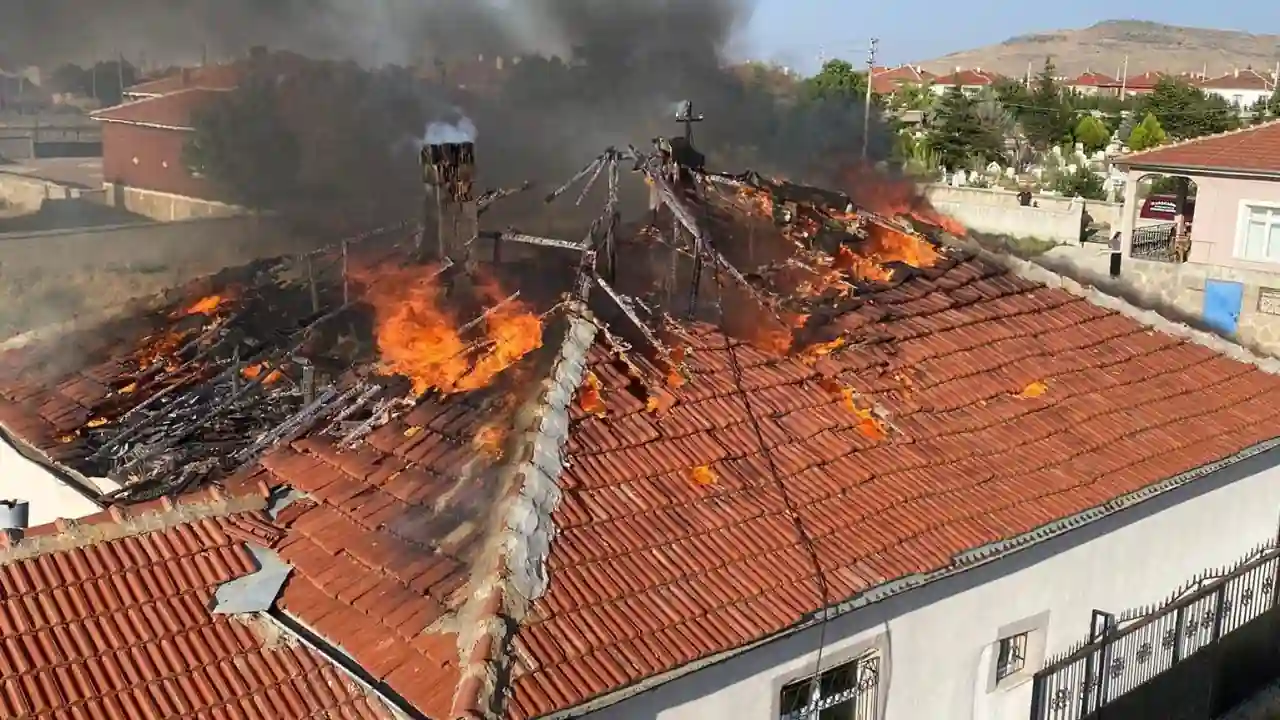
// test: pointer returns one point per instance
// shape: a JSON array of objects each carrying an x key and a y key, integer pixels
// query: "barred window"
[
  {"x": 845, "y": 692},
  {"x": 1012, "y": 656}
]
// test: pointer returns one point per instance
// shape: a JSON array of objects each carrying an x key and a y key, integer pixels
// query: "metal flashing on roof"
[{"x": 255, "y": 592}]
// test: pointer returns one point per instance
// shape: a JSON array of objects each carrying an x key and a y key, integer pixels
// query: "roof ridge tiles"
[
  {"x": 516, "y": 572},
  {"x": 1129, "y": 159},
  {"x": 118, "y": 522}
]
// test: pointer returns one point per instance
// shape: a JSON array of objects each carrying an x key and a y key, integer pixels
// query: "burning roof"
[{"x": 519, "y": 485}]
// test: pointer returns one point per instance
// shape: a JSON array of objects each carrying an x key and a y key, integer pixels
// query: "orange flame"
[
  {"x": 419, "y": 338},
  {"x": 590, "y": 400},
  {"x": 489, "y": 440},
  {"x": 207, "y": 305},
  {"x": 162, "y": 348},
  {"x": 702, "y": 475},
  {"x": 253, "y": 372}
]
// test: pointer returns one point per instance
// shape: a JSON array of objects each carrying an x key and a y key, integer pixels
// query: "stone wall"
[
  {"x": 166, "y": 207},
  {"x": 27, "y": 194},
  {"x": 1059, "y": 226},
  {"x": 54, "y": 277},
  {"x": 1107, "y": 213}
]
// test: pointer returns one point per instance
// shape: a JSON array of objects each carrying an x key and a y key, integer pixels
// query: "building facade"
[
  {"x": 1227, "y": 271},
  {"x": 143, "y": 163}
]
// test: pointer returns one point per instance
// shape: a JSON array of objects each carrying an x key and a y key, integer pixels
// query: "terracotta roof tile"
[
  {"x": 109, "y": 619},
  {"x": 1252, "y": 149},
  {"x": 967, "y": 78},
  {"x": 1247, "y": 79},
  {"x": 654, "y": 570}
]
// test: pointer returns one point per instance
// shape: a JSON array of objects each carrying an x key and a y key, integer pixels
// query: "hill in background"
[{"x": 1103, "y": 47}]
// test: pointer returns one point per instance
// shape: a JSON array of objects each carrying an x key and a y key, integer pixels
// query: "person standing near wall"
[{"x": 1115, "y": 255}]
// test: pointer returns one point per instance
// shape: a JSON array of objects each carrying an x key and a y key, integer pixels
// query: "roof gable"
[
  {"x": 1249, "y": 150},
  {"x": 967, "y": 78}
]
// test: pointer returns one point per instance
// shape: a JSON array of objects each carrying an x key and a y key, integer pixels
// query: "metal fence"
[
  {"x": 1154, "y": 242},
  {"x": 1213, "y": 644}
]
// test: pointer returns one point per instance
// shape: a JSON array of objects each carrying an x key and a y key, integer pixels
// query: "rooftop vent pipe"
[{"x": 14, "y": 514}]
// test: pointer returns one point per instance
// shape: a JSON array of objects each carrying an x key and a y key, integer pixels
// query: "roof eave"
[
  {"x": 140, "y": 123},
  {"x": 1171, "y": 169}
]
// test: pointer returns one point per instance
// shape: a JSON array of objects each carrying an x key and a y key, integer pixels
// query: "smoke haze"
[{"x": 594, "y": 73}]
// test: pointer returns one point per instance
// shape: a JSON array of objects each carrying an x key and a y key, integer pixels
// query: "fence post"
[
  {"x": 1105, "y": 633},
  {"x": 1179, "y": 624}
]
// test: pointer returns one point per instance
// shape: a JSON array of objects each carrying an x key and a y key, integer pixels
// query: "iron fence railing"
[
  {"x": 1155, "y": 242},
  {"x": 1211, "y": 645}
]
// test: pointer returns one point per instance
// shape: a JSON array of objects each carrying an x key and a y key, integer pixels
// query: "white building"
[{"x": 1242, "y": 88}]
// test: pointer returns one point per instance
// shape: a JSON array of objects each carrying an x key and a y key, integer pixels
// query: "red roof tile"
[
  {"x": 173, "y": 110},
  {"x": 887, "y": 80},
  {"x": 108, "y": 618},
  {"x": 652, "y": 570},
  {"x": 1092, "y": 79},
  {"x": 1253, "y": 150},
  {"x": 1248, "y": 79},
  {"x": 967, "y": 78}
]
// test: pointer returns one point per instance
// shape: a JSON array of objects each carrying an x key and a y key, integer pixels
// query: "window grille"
[
  {"x": 845, "y": 692},
  {"x": 1012, "y": 656}
]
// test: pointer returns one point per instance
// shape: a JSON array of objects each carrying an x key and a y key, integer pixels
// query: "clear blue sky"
[{"x": 792, "y": 31}]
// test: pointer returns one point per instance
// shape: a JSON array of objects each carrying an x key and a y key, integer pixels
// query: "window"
[
  {"x": 1259, "y": 233},
  {"x": 1238, "y": 100},
  {"x": 845, "y": 692},
  {"x": 1011, "y": 656},
  {"x": 1016, "y": 654}
]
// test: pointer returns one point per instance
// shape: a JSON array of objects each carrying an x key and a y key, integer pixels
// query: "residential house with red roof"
[
  {"x": 874, "y": 477},
  {"x": 1228, "y": 259},
  {"x": 1139, "y": 84},
  {"x": 887, "y": 81},
  {"x": 1241, "y": 88},
  {"x": 969, "y": 81},
  {"x": 1092, "y": 83}
]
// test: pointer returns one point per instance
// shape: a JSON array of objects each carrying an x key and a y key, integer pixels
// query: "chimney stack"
[
  {"x": 186, "y": 77},
  {"x": 448, "y": 171}
]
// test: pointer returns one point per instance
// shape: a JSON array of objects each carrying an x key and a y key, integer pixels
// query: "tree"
[
  {"x": 958, "y": 133},
  {"x": 1092, "y": 133},
  {"x": 1047, "y": 118},
  {"x": 1266, "y": 108},
  {"x": 242, "y": 145},
  {"x": 1185, "y": 111},
  {"x": 1082, "y": 183},
  {"x": 1147, "y": 134},
  {"x": 836, "y": 80}
]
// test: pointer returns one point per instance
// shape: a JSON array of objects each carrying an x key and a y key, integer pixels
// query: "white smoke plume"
[{"x": 462, "y": 130}]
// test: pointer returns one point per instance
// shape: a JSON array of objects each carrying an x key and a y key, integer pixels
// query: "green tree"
[
  {"x": 1047, "y": 118},
  {"x": 1092, "y": 133},
  {"x": 1266, "y": 108},
  {"x": 836, "y": 80},
  {"x": 1147, "y": 134},
  {"x": 1185, "y": 111},
  {"x": 958, "y": 133},
  {"x": 1081, "y": 183},
  {"x": 242, "y": 145}
]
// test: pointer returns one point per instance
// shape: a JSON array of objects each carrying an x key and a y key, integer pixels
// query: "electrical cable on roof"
[{"x": 801, "y": 533}]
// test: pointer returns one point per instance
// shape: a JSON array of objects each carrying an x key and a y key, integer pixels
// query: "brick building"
[{"x": 142, "y": 145}]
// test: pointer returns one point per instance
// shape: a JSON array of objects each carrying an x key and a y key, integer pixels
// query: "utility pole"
[{"x": 866, "y": 110}]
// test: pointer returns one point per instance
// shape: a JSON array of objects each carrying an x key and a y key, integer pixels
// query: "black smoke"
[{"x": 592, "y": 73}]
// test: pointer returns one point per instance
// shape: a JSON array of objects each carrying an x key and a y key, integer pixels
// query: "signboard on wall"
[{"x": 1269, "y": 301}]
